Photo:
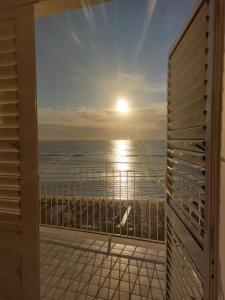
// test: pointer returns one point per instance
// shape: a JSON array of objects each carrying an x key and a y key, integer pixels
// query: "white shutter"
[
  {"x": 186, "y": 167},
  {"x": 19, "y": 260},
  {"x": 194, "y": 101}
]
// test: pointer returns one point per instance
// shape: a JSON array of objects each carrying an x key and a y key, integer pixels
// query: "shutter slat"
[
  {"x": 180, "y": 194},
  {"x": 8, "y": 109},
  {"x": 190, "y": 59},
  {"x": 8, "y": 46},
  {"x": 9, "y": 122},
  {"x": 7, "y": 32},
  {"x": 9, "y": 126},
  {"x": 184, "y": 202},
  {"x": 187, "y": 134},
  {"x": 186, "y": 214},
  {"x": 9, "y": 175},
  {"x": 199, "y": 186},
  {"x": 195, "y": 79},
  {"x": 9, "y": 194},
  {"x": 197, "y": 172},
  {"x": 195, "y": 121},
  {"x": 8, "y": 72},
  {"x": 7, "y": 59},
  {"x": 9, "y": 204},
  {"x": 189, "y": 68},
  {"x": 192, "y": 146},
  {"x": 199, "y": 22},
  {"x": 8, "y": 97},
  {"x": 179, "y": 188},
  {"x": 10, "y": 182},
  {"x": 191, "y": 158},
  {"x": 10, "y": 216},
  {"x": 10, "y": 227},
  {"x": 9, "y": 138},
  {"x": 196, "y": 92},
  {"x": 10, "y": 186},
  {"x": 186, "y": 273},
  {"x": 10, "y": 170},
  {"x": 6, "y": 134},
  {"x": 8, "y": 85},
  {"x": 187, "y": 110},
  {"x": 10, "y": 162},
  {"x": 189, "y": 47},
  {"x": 7, "y": 22},
  {"x": 11, "y": 147}
]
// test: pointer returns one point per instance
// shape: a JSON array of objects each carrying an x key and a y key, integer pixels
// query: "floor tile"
[{"x": 72, "y": 268}]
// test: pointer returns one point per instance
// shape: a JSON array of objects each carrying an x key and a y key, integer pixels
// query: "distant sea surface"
[
  {"x": 117, "y": 168},
  {"x": 94, "y": 184},
  {"x": 120, "y": 155}
]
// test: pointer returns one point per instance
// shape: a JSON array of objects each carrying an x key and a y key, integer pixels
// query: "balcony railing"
[{"x": 105, "y": 200}]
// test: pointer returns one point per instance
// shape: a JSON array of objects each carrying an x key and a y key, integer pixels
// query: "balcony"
[
  {"x": 80, "y": 265},
  {"x": 102, "y": 235}
]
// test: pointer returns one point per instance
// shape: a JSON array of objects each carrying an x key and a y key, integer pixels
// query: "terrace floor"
[{"x": 79, "y": 265}]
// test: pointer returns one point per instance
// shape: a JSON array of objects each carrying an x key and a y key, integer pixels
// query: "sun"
[{"x": 122, "y": 105}]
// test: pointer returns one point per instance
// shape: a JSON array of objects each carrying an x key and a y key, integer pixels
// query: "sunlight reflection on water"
[{"x": 121, "y": 148}]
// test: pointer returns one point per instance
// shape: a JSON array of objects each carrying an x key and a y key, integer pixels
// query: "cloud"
[
  {"x": 138, "y": 83},
  {"x": 92, "y": 123},
  {"x": 133, "y": 85}
]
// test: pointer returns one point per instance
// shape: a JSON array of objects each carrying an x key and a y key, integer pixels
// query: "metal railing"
[{"x": 105, "y": 200}]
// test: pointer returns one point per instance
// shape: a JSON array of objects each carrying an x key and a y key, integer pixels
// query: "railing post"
[
  {"x": 120, "y": 201},
  {"x": 81, "y": 201},
  {"x": 63, "y": 208},
  {"x": 157, "y": 220},
  {"x": 127, "y": 202},
  {"x": 93, "y": 205},
  {"x": 113, "y": 203},
  {"x": 134, "y": 205},
  {"x": 106, "y": 199},
  {"x": 46, "y": 211},
  {"x": 51, "y": 204},
  {"x": 87, "y": 202}
]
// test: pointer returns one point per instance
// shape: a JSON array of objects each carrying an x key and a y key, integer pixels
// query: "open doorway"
[{"x": 102, "y": 127}]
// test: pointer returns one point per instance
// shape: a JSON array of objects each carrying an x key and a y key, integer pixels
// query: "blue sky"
[{"x": 87, "y": 58}]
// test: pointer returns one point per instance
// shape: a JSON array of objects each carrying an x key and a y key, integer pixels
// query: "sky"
[{"x": 89, "y": 58}]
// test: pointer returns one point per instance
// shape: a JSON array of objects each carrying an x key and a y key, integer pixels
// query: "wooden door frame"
[
  {"x": 45, "y": 8},
  {"x": 215, "y": 89}
]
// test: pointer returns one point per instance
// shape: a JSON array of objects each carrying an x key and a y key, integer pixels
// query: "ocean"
[
  {"x": 121, "y": 155},
  {"x": 92, "y": 185},
  {"x": 118, "y": 168}
]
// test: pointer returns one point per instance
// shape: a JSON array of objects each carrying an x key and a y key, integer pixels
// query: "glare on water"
[
  {"x": 121, "y": 159},
  {"x": 121, "y": 148}
]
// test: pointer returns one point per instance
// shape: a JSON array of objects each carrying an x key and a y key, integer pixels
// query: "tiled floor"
[{"x": 77, "y": 265}]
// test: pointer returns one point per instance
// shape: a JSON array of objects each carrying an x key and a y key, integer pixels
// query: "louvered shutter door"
[
  {"x": 191, "y": 121},
  {"x": 19, "y": 261}
]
